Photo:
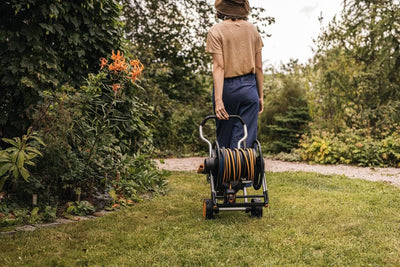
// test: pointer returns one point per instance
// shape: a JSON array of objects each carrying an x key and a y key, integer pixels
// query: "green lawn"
[{"x": 312, "y": 220}]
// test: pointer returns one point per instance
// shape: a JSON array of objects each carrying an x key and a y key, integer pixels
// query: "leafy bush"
[
  {"x": 182, "y": 134},
  {"x": 49, "y": 214},
  {"x": 80, "y": 208},
  {"x": 293, "y": 156},
  {"x": 286, "y": 115},
  {"x": 46, "y": 44},
  {"x": 351, "y": 147},
  {"x": 90, "y": 131},
  {"x": 14, "y": 160},
  {"x": 92, "y": 134},
  {"x": 11, "y": 214},
  {"x": 139, "y": 179}
]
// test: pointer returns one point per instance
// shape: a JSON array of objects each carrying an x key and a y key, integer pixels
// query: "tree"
[
  {"x": 287, "y": 113},
  {"x": 169, "y": 37},
  {"x": 46, "y": 44},
  {"x": 358, "y": 61}
]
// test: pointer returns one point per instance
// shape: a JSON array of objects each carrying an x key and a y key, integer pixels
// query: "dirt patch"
[{"x": 389, "y": 175}]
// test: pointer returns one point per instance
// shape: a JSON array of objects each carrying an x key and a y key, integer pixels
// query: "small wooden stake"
[
  {"x": 34, "y": 199},
  {"x": 78, "y": 194}
]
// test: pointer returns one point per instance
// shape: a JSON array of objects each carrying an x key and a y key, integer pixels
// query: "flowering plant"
[
  {"x": 120, "y": 70},
  {"x": 112, "y": 117}
]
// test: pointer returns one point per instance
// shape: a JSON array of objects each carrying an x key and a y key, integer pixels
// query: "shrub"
[
  {"x": 80, "y": 208},
  {"x": 46, "y": 44},
  {"x": 90, "y": 130},
  {"x": 93, "y": 133},
  {"x": 286, "y": 115},
  {"x": 351, "y": 147},
  {"x": 12, "y": 214},
  {"x": 15, "y": 159}
]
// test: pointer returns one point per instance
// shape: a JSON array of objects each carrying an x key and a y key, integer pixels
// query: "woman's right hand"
[
  {"x": 220, "y": 111},
  {"x": 261, "y": 105}
]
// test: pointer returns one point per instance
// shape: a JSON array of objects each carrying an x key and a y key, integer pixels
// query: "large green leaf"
[
  {"x": 4, "y": 168},
  {"x": 33, "y": 150},
  {"x": 5, "y": 157},
  {"x": 29, "y": 156},
  {"x": 20, "y": 159},
  {"x": 14, "y": 156},
  {"x": 31, "y": 163},
  {"x": 24, "y": 173},
  {"x": 2, "y": 181},
  {"x": 11, "y": 142},
  {"x": 15, "y": 172}
]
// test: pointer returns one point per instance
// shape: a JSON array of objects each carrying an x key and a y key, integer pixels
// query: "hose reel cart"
[{"x": 231, "y": 170}]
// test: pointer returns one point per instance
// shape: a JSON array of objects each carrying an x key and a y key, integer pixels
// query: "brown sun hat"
[{"x": 233, "y": 7}]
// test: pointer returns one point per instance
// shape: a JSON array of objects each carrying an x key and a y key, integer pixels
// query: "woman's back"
[{"x": 238, "y": 41}]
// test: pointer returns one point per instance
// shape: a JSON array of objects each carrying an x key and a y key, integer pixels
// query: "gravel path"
[{"x": 388, "y": 175}]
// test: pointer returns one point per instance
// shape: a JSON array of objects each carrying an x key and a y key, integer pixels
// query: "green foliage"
[
  {"x": 293, "y": 156},
  {"x": 177, "y": 67},
  {"x": 351, "y": 147},
  {"x": 12, "y": 214},
  {"x": 15, "y": 159},
  {"x": 183, "y": 129},
  {"x": 142, "y": 174},
  {"x": 354, "y": 93},
  {"x": 46, "y": 44},
  {"x": 49, "y": 214},
  {"x": 162, "y": 34},
  {"x": 91, "y": 131},
  {"x": 80, "y": 208},
  {"x": 288, "y": 129},
  {"x": 286, "y": 115},
  {"x": 358, "y": 62},
  {"x": 139, "y": 179}
]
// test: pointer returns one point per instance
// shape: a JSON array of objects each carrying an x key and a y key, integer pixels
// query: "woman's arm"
[
  {"x": 218, "y": 76},
  {"x": 260, "y": 81}
]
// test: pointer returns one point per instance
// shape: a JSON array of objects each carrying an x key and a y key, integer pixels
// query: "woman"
[{"x": 236, "y": 45}]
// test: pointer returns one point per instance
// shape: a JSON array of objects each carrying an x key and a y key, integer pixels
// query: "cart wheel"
[
  {"x": 256, "y": 211},
  {"x": 207, "y": 209}
]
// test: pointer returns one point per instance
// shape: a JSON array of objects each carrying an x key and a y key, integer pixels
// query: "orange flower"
[
  {"x": 118, "y": 66},
  {"x": 103, "y": 62},
  {"x": 113, "y": 67},
  {"x": 116, "y": 87},
  {"x": 115, "y": 206},
  {"x": 136, "y": 65},
  {"x": 133, "y": 75},
  {"x": 117, "y": 57},
  {"x": 122, "y": 66},
  {"x": 137, "y": 68}
]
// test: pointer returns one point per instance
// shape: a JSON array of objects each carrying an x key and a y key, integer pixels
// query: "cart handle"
[{"x": 216, "y": 118}]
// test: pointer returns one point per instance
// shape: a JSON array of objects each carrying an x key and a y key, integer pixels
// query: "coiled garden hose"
[{"x": 236, "y": 164}]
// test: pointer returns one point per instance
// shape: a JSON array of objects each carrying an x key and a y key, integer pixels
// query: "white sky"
[{"x": 296, "y": 25}]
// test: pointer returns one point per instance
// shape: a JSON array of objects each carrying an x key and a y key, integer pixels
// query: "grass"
[{"x": 312, "y": 220}]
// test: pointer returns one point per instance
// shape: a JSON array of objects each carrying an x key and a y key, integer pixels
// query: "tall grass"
[{"x": 312, "y": 220}]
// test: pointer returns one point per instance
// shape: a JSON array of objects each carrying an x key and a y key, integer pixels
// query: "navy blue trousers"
[{"x": 240, "y": 97}]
